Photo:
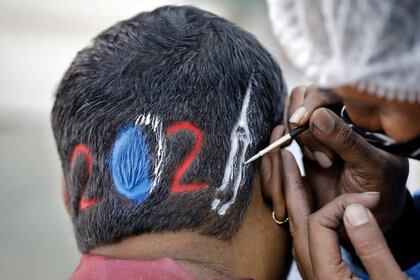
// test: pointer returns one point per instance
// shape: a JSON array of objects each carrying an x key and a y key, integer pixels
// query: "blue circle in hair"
[{"x": 130, "y": 164}]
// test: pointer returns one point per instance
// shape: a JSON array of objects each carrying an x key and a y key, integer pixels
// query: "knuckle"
[
  {"x": 347, "y": 139},
  {"x": 311, "y": 89},
  {"x": 325, "y": 98},
  {"x": 298, "y": 91},
  {"x": 345, "y": 197},
  {"x": 329, "y": 216},
  {"x": 345, "y": 200},
  {"x": 363, "y": 179},
  {"x": 316, "y": 98}
]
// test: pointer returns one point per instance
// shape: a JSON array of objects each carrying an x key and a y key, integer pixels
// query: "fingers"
[
  {"x": 333, "y": 132},
  {"x": 369, "y": 243},
  {"x": 323, "y": 239},
  {"x": 297, "y": 114},
  {"x": 303, "y": 102},
  {"x": 315, "y": 240},
  {"x": 298, "y": 211}
]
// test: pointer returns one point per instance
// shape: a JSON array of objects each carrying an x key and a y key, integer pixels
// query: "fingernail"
[
  {"x": 307, "y": 153},
  {"x": 322, "y": 159},
  {"x": 323, "y": 121},
  {"x": 356, "y": 214},
  {"x": 298, "y": 115}
]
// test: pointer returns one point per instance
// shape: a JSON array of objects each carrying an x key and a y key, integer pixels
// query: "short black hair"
[{"x": 164, "y": 70}]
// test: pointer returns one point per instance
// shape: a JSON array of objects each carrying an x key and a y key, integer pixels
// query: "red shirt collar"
[{"x": 98, "y": 267}]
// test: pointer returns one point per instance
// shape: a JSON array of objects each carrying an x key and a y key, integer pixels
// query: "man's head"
[{"x": 153, "y": 123}]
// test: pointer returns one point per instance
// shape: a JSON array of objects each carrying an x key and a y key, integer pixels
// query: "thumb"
[
  {"x": 369, "y": 243},
  {"x": 334, "y": 133},
  {"x": 323, "y": 240}
]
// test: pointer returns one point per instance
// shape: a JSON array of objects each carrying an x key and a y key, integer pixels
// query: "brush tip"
[{"x": 252, "y": 159}]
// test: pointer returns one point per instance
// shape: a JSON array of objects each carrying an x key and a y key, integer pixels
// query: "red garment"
[{"x": 93, "y": 267}]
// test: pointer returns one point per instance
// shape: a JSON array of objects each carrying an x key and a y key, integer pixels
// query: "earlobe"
[
  {"x": 65, "y": 197},
  {"x": 271, "y": 170}
]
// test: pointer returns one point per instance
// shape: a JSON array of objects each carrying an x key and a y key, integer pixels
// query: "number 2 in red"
[
  {"x": 84, "y": 150},
  {"x": 176, "y": 186}
]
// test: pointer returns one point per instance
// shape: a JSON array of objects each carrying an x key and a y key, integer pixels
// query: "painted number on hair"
[
  {"x": 176, "y": 186},
  {"x": 84, "y": 150}
]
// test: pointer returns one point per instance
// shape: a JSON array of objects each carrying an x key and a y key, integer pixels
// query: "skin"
[
  {"x": 315, "y": 239},
  {"x": 355, "y": 165},
  {"x": 259, "y": 249},
  {"x": 399, "y": 120},
  {"x": 320, "y": 208}
]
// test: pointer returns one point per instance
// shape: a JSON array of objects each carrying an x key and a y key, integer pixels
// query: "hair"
[{"x": 152, "y": 95}]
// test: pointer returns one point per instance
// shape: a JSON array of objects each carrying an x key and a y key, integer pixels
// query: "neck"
[
  {"x": 252, "y": 252},
  {"x": 198, "y": 254}
]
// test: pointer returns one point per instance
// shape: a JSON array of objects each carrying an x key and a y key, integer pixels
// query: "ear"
[
  {"x": 271, "y": 171},
  {"x": 65, "y": 196}
]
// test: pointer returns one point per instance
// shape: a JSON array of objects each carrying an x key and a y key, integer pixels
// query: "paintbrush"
[{"x": 281, "y": 141}]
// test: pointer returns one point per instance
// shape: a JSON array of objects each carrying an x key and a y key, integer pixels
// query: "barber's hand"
[
  {"x": 315, "y": 240},
  {"x": 358, "y": 166}
]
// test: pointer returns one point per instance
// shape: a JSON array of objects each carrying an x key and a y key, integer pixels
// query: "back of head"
[{"x": 153, "y": 123}]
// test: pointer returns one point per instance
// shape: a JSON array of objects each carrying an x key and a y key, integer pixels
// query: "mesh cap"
[{"x": 374, "y": 44}]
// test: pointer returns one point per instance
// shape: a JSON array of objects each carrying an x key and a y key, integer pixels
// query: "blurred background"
[{"x": 38, "y": 40}]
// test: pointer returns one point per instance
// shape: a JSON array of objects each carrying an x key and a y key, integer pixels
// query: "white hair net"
[{"x": 374, "y": 44}]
